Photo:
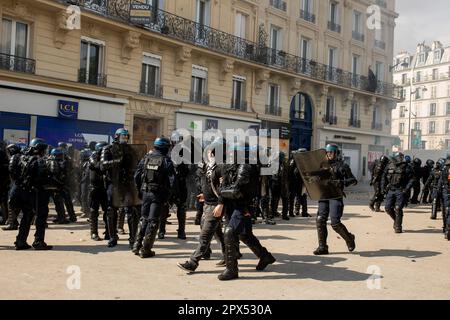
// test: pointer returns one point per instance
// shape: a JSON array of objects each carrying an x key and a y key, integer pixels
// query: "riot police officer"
[
  {"x": 426, "y": 172},
  {"x": 334, "y": 209},
  {"x": 154, "y": 177},
  {"x": 296, "y": 194},
  {"x": 84, "y": 180},
  {"x": 417, "y": 171},
  {"x": 111, "y": 157},
  {"x": 33, "y": 196},
  {"x": 97, "y": 192},
  {"x": 436, "y": 190},
  {"x": 279, "y": 187},
  {"x": 444, "y": 185},
  {"x": 4, "y": 182},
  {"x": 398, "y": 179},
  {"x": 377, "y": 174},
  {"x": 12, "y": 222},
  {"x": 239, "y": 188}
]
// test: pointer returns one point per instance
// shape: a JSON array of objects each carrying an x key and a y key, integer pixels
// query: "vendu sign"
[{"x": 67, "y": 109}]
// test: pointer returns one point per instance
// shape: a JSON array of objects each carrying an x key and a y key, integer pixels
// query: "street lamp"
[{"x": 411, "y": 93}]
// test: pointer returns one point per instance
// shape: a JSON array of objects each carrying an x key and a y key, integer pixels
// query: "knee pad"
[
  {"x": 321, "y": 221},
  {"x": 229, "y": 234},
  {"x": 398, "y": 211}
]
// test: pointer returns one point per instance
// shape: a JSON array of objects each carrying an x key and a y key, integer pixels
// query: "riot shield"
[
  {"x": 127, "y": 157},
  {"x": 317, "y": 175}
]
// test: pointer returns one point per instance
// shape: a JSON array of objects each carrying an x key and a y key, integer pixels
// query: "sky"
[{"x": 421, "y": 20}]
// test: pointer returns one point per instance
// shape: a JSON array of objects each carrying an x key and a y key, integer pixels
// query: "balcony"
[
  {"x": 239, "y": 105},
  {"x": 330, "y": 119},
  {"x": 381, "y": 3},
  {"x": 355, "y": 123},
  {"x": 358, "y": 36},
  {"x": 96, "y": 79},
  {"x": 17, "y": 64},
  {"x": 199, "y": 98},
  {"x": 190, "y": 32},
  {"x": 380, "y": 44},
  {"x": 308, "y": 16},
  {"x": 377, "y": 126},
  {"x": 150, "y": 89},
  {"x": 273, "y": 110},
  {"x": 333, "y": 26},
  {"x": 278, "y": 4}
]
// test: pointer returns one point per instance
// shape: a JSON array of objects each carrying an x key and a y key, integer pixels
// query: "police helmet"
[
  {"x": 301, "y": 150},
  {"x": 398, "y": 157},
  {"x": 121, "y": 132},
  {"x": 407, "y": 159},
  {"x": 332, "y": 148},
  {"x": 176, "y": 137},
  {"x": 162, "y": 144},
  {"x": 62, "y": 145},
  {"x": 430, "y": 163},
  {"x": 417, "y": 162},
  {"x": 100, "y": 145},
  {"x": 13, "y": 149},
  {"x": 57, "y": 153},
  {"x": 384, "y": 159}
]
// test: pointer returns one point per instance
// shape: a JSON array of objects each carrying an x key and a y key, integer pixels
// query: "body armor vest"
[{"x": 154, "y": 177}]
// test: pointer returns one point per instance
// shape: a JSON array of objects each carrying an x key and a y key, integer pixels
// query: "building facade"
[
  {"x": 311, "y": 68},
  {"x": 422, "y": 120}
]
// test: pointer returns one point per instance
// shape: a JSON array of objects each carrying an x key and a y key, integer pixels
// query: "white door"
[{"x": 351, "y": 157}]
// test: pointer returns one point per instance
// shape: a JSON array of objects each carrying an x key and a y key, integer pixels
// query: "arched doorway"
[{"x": 301, "y": 115}]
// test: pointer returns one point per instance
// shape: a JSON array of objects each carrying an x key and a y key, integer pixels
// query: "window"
[
  {"x": 379, "y": 70},
  {"x": 307, "y": 6},
  {"x": 150, "y": 78},
  {"x": 376, "y": 118},
  {"x": 401, "y": 128},
  {"x": 432, "y": 109},
  {"x": 240, "y": 27},
  {"x": 424, "y": 145},
  {"x": 198, "y": 85},
  {"x": 447, "y": 109},
  {"x": 203, "y": 13},
  {"x": 91, "y": 62},
  {"x": 447, "y": 126},
  {"x": 330, "y": 115},
  {"x": 435, "y": 74},
  {"x": 275, "y": 38},
  {"x": 334, "y": 12},
  {"x": 418, "y": 76},
  {"x": 447, "y": 144},
  {"x": 273, "y": 106},
  {"x": 305, "y": 48},
  {"x": 354, "y": 115},
  {"x": 14, "y": 38},
  {"x": 299, "y": 112},
  {"x": 402, "y": 111},
  {"x": 422, "y": 58},
  {"x": 433, "y": 92},
  {"x": 357, "y": 26},
  {"x": 418, "y": 94},
  {"x": 417, "y": 126},
  {"x": 404, "y": 78},
  {"x": 238, "y": 99},
  {"x": 432, "y": 127},
  {"x": 332, "y": 63},
  {"x": 437, "y": 56}
]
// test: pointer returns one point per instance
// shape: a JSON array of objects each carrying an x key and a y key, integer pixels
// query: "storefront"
[{"x": 28, "y": 111}]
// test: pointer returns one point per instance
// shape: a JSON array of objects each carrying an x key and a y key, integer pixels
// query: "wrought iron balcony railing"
[
  {"x": 308, "y": 16},
  {"x": 354, "y": 123},
  {"x": 333, "y": 26},
  {"x": 377, "y": 126},
  {"x": 189, "y": 31},
  {"x": 358, "y": 36},
  {"x": 150, "y": 89},
  {"x": 279, "y": 4},
  {"x": 96, "y": 79},
  {"x": 330, "y": 119},
  {"x": 273, "y": 110},
  {"x": 17, "y": 64},
  {"x": 238, "y": 105},
  {"x": 196, "y": 97},
  {"x": 380, "y": 44}
]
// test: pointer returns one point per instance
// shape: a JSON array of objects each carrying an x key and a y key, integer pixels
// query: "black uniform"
[
  {"x": 398, "y": 179},
  {"x": 427, "y": 191},
  {"x": 436, "y": 190},
  {"x": 14, "y": 210},
  {"x": 154, "y": 177},
  {"x": 84, "y": 181},
  {"x": 4, "y": 183},
  {"x": 279, "y": 189},
  {"x": 296, "y": 195},
  {"x": 417, "y": 172},
  {"x": 377, "y": 174},
  {"x": 238, "y": 191},
  {"x": 444, "y": 185},
  {"x": 97, "y": 195}
]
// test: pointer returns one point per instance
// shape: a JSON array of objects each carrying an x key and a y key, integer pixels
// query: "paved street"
[{"x": 411, "y": 266}]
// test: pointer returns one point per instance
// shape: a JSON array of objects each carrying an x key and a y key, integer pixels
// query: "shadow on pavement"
[
  {"x": 432, "y": 231},
  {"x": 412, "y": 254}
]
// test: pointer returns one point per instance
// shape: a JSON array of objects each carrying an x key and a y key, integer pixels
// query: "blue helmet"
[
  {"x": 13, "y": 149},
  {"x": 57, "y": 152},
  {"x": 100, "y": 145},
  {"x": 407, "y": 159},
  {"x": 36, "y": 142},
  {"x": 85, "y": 154},
  {"x": 122, "y": 132},
  {"x": 398, "y": 157},
  {"x": 332, "y": 148},
  {"x": 162, "y": 144}
]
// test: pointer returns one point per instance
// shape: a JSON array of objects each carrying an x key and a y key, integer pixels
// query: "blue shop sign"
[{"x": 67, "y": 109}]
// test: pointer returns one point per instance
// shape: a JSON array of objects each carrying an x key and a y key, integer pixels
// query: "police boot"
[
  {"x": 391, "y": 213},
  {"x": 181, "y": 215},
  {"x": 112, "y": 227},
  {"x": 372, "y": 206},
  {"x": 398, "y": 221},
  {"x": 121, "y": 221},
  {"x": 162, "y": 228},
  {"x": 231, "y": 263},
  {"x": 322, "y": 234},
  {"x": 147, "y": 244},
  {"x": 347, "y": 236},
  {"x": 21, "y": 245},
  {"x": 434, "y": 210},
  {"x": 12, "y": 223},
  {"x": 133, "y": 226},
  {"x": 40, "y": 245},
  {"x": 138, "y": 239},
  {"x": 94, "y": 226},
  {"x": 377, "y": 207}
]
